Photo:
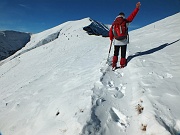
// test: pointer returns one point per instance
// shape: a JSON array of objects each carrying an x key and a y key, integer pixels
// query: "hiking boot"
[
  {"x": 123, "y": 62},
  {"x": 114, "y": 61}
]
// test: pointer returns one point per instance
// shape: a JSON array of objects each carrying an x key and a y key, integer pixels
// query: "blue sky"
[{"x": 38, "y": 15}]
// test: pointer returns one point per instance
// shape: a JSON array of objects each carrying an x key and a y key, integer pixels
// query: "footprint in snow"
[
  {"x": 110, "y": 83},
  {"x": 117, "y": 92},
  {"x": 167, "y": 75},
  {"x": 119, "y": 95},
  {"x": 119, "y": 118}
]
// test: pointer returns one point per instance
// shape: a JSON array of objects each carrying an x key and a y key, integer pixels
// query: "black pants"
[{"x": 123, "y": 51}]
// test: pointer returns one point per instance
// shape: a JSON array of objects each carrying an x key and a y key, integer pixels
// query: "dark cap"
[{"x": 121, "y": 13}]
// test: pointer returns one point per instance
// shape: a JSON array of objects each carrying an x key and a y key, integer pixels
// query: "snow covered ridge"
[
  {"x": 96, "y": 28},
  {"x": 12, "y": 41},
  {"x": 64, "y": 31}
]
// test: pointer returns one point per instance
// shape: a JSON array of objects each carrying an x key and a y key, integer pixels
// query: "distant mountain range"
[{"x": 12, "y": 41}]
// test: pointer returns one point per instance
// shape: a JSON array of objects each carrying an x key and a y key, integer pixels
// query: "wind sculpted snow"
[{"x": 66, "y": 86}]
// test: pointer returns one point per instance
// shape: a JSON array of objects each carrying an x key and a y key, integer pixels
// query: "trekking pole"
[{"x": 109, "y": 51}]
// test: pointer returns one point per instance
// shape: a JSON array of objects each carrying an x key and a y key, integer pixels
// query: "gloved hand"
[{"x": 138, "y": 5}]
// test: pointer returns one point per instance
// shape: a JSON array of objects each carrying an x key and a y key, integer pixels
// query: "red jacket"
[{"x": 128, "y": 20}]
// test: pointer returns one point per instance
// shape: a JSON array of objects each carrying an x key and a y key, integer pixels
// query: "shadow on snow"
[{"x": 150, "y": 51}]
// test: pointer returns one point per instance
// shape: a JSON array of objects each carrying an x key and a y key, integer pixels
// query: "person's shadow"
[{"x": 129, "y": 58}]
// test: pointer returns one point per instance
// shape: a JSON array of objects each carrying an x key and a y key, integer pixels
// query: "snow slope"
[{"x": 60, "y": 83}]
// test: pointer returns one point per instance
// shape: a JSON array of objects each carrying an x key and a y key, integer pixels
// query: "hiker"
[{"x": 118, "y": 33}]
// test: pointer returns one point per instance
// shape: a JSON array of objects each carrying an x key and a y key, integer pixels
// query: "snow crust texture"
[{"x": 61, "y": 83}]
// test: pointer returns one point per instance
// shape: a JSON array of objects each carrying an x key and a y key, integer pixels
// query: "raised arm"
[{"x": 134, "y": 13}]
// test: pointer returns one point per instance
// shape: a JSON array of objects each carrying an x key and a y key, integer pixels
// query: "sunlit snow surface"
[{"x": 60, "y": 83}]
